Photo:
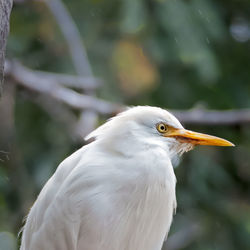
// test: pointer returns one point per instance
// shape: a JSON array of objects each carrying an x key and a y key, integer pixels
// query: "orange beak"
[{"x": 187, "y": 136}]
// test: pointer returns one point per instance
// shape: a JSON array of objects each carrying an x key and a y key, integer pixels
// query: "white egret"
[{"x": 118, "y": 192}]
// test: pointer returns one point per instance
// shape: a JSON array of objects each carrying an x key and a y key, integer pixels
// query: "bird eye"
[{"x": 161, "y": 127}]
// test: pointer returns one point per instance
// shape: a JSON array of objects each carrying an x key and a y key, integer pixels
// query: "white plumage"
[{"x": 116, "y": 193}]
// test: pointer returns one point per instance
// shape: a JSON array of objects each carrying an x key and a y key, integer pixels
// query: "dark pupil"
[{"x": 162, "y": 127}]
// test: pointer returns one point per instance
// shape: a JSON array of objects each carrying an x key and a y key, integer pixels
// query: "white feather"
[{"x": 117, "y": 193}]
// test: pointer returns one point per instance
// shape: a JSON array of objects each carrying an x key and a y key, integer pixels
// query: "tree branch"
[
  {"x": 5, "y": 9},
  {"x": 72, "y": 81},
  {"x": 35, "y": 82},
  {"x": 213, "y": 117},
  {"x": 30, "y": 80}
]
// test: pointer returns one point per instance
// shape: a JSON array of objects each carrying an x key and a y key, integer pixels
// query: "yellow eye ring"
[{"x": 161, "y": 127}]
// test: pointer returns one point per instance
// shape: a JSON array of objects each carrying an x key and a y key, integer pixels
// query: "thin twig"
[
  {"x": 4, "y": 152},
  {"x": 72, "y": 36},
  {"x": 72, "y": 81},
  {"x": 80, "y": 82}
]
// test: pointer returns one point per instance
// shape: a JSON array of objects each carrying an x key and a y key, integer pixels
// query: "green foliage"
[{"x": 169, "y": 53}]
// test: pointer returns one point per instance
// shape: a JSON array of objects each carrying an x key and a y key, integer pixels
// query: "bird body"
[{"x": 116, "y": 193}]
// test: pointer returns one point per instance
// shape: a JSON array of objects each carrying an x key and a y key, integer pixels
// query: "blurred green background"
[{"x": 169, "y": 53}]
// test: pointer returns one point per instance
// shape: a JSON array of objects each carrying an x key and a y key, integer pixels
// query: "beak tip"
[{"x": 227, "y": 144}]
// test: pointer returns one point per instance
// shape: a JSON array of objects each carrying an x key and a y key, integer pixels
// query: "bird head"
[{"x": 144, "y": 126}]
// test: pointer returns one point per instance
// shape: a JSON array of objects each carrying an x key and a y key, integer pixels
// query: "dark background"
[{"x": 192, "y": 54}]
